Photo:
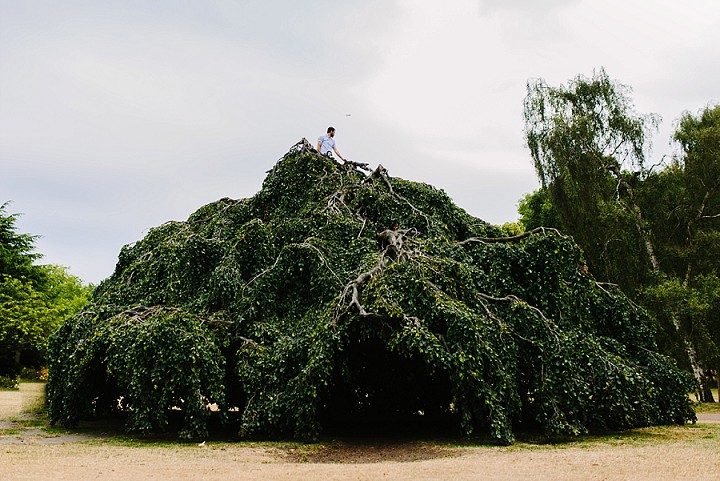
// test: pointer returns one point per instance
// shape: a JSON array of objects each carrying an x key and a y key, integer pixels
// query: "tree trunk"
[
  {"x": 694, "y": 364},
  {"x": 634, "y": 209},
  {"x": 650, "y": 251},
  {"x": 704, "y": 392},
  {"x": 696, "y": 369},
  {"x": 706, "y": 388}
]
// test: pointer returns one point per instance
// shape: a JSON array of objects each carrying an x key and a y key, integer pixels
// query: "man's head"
[{"x": 331, "y": 131}]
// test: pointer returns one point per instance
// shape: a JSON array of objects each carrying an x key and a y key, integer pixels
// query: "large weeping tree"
[
  {"x": 335, "y": 298},
  {"x": 588, "y": 146}
]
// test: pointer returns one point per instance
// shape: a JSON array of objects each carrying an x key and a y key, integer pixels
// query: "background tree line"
[
  {"x": 34, "y": 300},
  {"x": 652, "y": 229}
]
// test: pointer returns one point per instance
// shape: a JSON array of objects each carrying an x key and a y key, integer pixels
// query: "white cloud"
[{"x": 523, "y": 7}]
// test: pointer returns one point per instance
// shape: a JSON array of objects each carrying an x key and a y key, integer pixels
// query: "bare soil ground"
[{"x": 31, "y": 451}]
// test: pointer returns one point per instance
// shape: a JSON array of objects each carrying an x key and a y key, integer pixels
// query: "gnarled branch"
[{"x": 492, "y": 240}]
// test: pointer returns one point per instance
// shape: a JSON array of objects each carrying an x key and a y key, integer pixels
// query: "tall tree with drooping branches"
[{"x": 637, "y": 225}]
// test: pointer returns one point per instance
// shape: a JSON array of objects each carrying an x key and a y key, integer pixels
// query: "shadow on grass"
[
  {"x": 370, "y": 446},
  {"x": 404, "y": 440}
]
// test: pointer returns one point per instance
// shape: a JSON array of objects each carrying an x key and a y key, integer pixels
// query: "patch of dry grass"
[
  {"x": 709, "y": 407},
  {"x": 656, "y": 453},
  {"x": 30, "y": 398}
]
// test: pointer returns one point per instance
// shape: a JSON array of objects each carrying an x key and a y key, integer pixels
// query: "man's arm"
[
  {"x": 338, "y": 154},
  {"x": 319, "y": 145}
]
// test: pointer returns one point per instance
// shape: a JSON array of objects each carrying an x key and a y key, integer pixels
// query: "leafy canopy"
[
  {"x": 34, "y": 299},
  {"x": 334, "y": 298},
  {"x": 588, "y": 146},
  {"x": 655, "y": 233},
  {"x": 16, "y": 250}
]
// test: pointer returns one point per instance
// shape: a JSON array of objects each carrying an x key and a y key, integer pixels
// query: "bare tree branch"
[
  {"x": 492, "y": 240},
  {"x": 381, "y": 173}
]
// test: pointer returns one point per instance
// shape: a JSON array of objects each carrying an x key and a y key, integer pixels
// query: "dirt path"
[
  {"x": 712, "y": 418},
  {"x": 83, "y": 461},
  {"x": 18, "y": 403},
  {"x": 22, "y": 419},
  {"x": 669, "y": 454}
]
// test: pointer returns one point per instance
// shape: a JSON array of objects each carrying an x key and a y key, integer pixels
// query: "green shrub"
[{"x": 9, "y": 382}]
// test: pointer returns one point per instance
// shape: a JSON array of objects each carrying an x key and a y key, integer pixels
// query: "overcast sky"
[{"x": 119, "y": 115}]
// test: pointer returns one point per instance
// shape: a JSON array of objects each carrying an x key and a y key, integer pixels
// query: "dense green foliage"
[
  {"x": 588, "y": 146},
  {"x": 16, "y": 250},
  {"x": 655, "y": 232},
  {"x": 333, "y": 297},
  {"x": 34, "y": 299},
  {"x": 682, "y": 202}
]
